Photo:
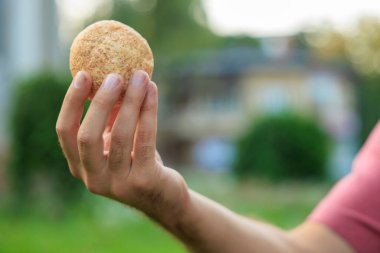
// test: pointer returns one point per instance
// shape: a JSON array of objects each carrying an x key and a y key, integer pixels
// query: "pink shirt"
[{"x": 352, "y": 208}]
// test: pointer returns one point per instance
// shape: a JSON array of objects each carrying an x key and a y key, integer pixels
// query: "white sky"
[
  {"x": 284, "y": 17},
  {"x": 259, "y": 17}
]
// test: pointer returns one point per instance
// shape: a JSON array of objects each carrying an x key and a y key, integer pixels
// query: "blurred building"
[
  {"x": 217, "y": 93},
  {"x": 220, "y": 93},
  {"x": 28, "y": 43}
]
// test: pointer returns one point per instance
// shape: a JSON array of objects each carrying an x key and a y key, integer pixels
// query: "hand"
[{"x": 113, "y": 150}]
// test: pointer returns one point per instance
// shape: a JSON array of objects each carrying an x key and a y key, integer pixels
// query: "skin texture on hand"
[{"x": 113, "y": 150}]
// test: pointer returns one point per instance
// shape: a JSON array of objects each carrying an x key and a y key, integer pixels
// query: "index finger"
[{"x": 69, "y": 119}]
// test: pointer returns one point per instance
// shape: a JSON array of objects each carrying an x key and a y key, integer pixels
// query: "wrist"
[
  {"x": 171, "y": 201},
  {"x": 191, "y": 225}
]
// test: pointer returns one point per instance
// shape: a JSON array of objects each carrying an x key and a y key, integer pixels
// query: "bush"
[
  {"x": 34, "y": 145},
  {"x": 369, "y": 103},
  {"x": 283, "y": 147}
]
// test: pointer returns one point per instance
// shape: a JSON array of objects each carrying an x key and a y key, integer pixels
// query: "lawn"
[{"x": 102, "y": 226}]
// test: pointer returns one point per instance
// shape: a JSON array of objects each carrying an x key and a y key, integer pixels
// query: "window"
[
  {"x": 221, "y": 95},
  {"x": 274, "y": 97}
]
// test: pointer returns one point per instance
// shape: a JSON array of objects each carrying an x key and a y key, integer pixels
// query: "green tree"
[
  {"x": 361, "y": 48},
  {"x": 34, "y": 148},
  {"x": 171, "y": 27},
  {"x": 369, "y": 102},
  {"x": 284, "y": 146}
]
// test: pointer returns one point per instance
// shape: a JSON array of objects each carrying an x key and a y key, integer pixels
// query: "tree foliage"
[
  {"x": 369, "y": 103},
  {"x": 361, "y": 48},
  {"x": 34, "y": 148},
  {"x": 171, "y": 27},
  {"x": 282, "y": 147}
]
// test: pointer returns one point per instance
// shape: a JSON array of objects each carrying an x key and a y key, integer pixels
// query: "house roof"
[{"x": 235, "y": 61}]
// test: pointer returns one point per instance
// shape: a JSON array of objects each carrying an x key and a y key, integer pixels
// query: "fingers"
[
  {"x": 90, "y": 136},
  {"x": 124, "y": 127},
  {"x": 69, "y": 119},
  {"x": 145, "y": 139}
]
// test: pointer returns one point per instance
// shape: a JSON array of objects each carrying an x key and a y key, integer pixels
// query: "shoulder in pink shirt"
[{"x": 352, "y": 208}]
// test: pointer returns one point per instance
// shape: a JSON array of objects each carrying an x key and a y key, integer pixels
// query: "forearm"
[
  {"x": 205, "y": 226},
  {"x": 209, "y": 227}
]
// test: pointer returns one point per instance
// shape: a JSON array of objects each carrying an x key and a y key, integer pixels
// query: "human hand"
[{"x": 113, "y": 150}]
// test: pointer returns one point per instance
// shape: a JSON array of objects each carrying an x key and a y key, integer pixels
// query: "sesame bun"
[{"x": 110, "y": 47}]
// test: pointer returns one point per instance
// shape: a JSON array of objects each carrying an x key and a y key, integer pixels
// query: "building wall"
[
  {"x": 32, "y": 35},
  {"x": 223, "y": 110},
  {"x": 4, "y": 84},
  {"x": 28, "y": 43},
  {"x": 269, "y": 92},
  {"x": 302, "y": 91}
]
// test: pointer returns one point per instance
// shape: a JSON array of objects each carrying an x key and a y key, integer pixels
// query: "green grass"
[
  {"x": 108, "y": 227},
  {"x": 111, "y": 228}
]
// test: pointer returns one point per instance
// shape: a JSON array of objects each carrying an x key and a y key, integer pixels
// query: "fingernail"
[
  {"x": 111, "y": 81},
  {"x": 79, "y": 80},
  {"x": 138, "y": 78}
]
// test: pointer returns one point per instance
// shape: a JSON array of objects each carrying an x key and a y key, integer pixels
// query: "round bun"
[{"x": 110, "y": 47}]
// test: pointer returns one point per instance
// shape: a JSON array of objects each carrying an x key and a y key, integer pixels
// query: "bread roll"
[{"x": 110, "y": 47}]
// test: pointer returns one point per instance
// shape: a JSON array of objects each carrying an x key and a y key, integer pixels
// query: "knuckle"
[
  {"x": 146, "y": 152},
  {"x": 144, "y": 135},
  {"x": 118, "y": 139},
  {"x": 116, "y": 157},
  {"x": 148, "y": 107},
  {"x": 85, "y": 139},
  {"x": 129, "y": 99},
  {"x": 63, "y": 130},
  {"x": 60, "y": 131},
  {"x": 100, "y": 101}
]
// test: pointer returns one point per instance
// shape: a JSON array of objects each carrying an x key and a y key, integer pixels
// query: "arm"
[
  {"x": 209, "y": 227},
  {"x": 113, "y": 151}
]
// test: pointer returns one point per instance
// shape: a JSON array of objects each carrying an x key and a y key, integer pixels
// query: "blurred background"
[{"x": 263, "y": 105}]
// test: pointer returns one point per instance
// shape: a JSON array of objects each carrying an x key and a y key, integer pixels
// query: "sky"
[
  {"x": 284, "y": 17},
  {"x": 259, "y": 18}
]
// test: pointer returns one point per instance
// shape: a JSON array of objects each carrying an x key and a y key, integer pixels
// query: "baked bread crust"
[{"x": 110, "y": 47}]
